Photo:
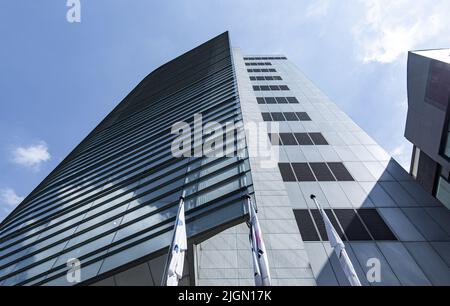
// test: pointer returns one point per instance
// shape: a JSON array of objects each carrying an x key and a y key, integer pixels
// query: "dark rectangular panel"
[
  {"x": 292, "y": 100},
  {"x": 281, "y": 100},
  {"x": 270, "y": 100},
  {"x": 269, "y": 78},
  {"x": 278, "y": 117},
  {"x": 260, "y": 100},
  {"x": 275, "y": 139},
  {"x": 351, "y": 224},
  {"x": 376, "y": 225},
  {"x": 303, "y": 172},
  {"x": 260, "y": 78},
  {"x": 274, "y": 87},
  {"x": 318, "y": 139},
  {"x": 266, "y": 116},
  {"x": 321, "y": 224},
  {"x": 340, "y": 172},
  {"x": 303, "y": 116},
  {"x": 323, "y": 174},
  {"x": 256, "y": 88},
  {"x": 284, "y": 87},
  {"x": 286, "y": 172},
  {"x": 290, "y": 116},
  {"x": 306, "y": 225},
  {"x": 288, "y": 139},
  {"x": 303, "y": 139},
  {"x": 278, "y": 78},
  {"x": 335, "y": 223},
  {"x": 252, "y": 78}
]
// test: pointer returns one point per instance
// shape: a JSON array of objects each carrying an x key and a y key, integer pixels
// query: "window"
[
  {"x": 322, "y": 172},
  {"x": 266, "y": 116},
  {"x": 260, "y": 78},
  {"x": 318, "y": 138},
  {"x": 286, "y": 172},
  {"x": 288, "y": 139},
  {"x": 306, "y": 225},
  {"x": 375, "y": 224},
  {"x": 281, "y": 100},
  {"x": 275, "y": 139},
  {"x": 356, "y": 225},
  {"x": 352, "y": 225},
  {"x": 443, "y": 191},
  {"x": 303, "y": 172},
  {"x": 303, "y": 139},
  {"x": 317, "y": 216},
  {"x": 303, "y": 116},
  {"x": 272, "y": 70},
  {"x": 292, "y": 100},
  {"x": 278, "y": 117},
  {"x": 252, "y": 78},
  {"x": 290, "y": 116},
  {"x": 260, "y": 100},
  {"x": 340, "y": 172},
  {"x": 271, "y": 87},
  {"x": 274, "y": 87},
  {"x": 270, "y": 100}
]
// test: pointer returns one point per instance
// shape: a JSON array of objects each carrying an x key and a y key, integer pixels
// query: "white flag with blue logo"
[
  {"x": 339, "y": 248},
  {"x": 179, "y": 248},
  {"x": 259, "y": 254}
]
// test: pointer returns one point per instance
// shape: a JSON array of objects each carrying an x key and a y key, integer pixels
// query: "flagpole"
[
  {"x": 259, "y": 253},
  {"x": 339, "y": 247},
  {"x": 169, "y": 255}
]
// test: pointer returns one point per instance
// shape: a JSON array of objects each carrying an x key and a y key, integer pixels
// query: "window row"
[
  {"x": 286, "y": 116},
  {"x": 311, "y": 172},
  {"x": 266, "y": 58},
  {"x": 350, "y": 224},
  {"x": 271, "y": 87},
  {"x": 262, "y": 70},
  {"x": 266, "y": 78},
  {"x": 258, "y": 64},
  {"x": 277, "y": 100},
  {"x": 298, "y": 139}
]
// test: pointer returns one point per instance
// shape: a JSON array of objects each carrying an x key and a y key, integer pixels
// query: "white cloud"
[
  {"x": 388, "y": 29},
  {"x": 31, "y": 156},
  {"x": 9, "y": 199}
]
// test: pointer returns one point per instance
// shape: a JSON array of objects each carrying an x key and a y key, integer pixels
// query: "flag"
[
  {"x": 178, "y": 249},
  {"x": 339, "y": 248},
  {"x": 259, "y": 254}
]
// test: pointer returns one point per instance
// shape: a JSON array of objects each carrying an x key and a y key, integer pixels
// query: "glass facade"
[{"x": 113, "y": 200}]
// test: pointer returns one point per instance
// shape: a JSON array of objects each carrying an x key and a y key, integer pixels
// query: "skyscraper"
[
  {"x": 109, "y": 207},
  {"x": 427, "y": 125}
]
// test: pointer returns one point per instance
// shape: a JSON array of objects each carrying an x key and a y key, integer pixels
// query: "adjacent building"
[
  {"x": 111, "y": 203},
  {"x": 427, "y": 125}
]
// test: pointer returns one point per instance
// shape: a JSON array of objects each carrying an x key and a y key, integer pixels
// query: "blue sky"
[{"x": 59, "y": 79}]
